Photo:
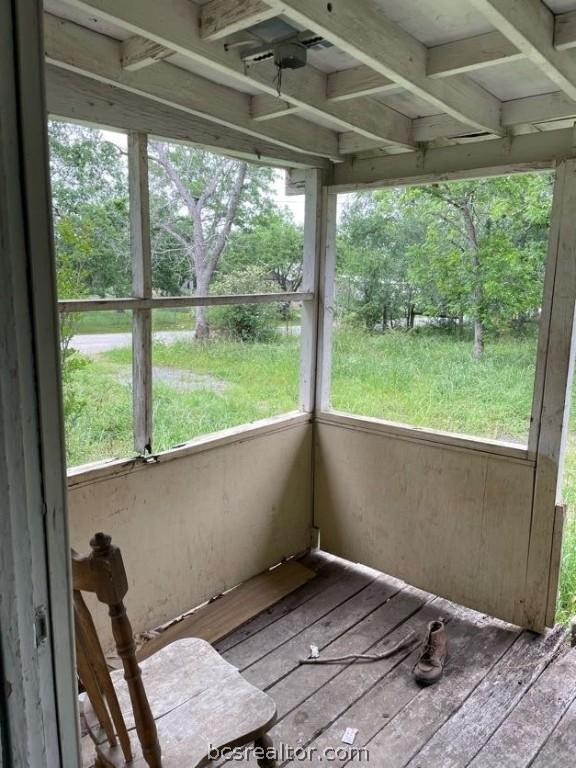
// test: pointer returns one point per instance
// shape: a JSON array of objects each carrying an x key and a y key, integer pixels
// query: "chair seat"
[{"x": 199, "y": 701}]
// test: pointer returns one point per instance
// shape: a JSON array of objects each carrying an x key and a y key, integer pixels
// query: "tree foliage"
[
  {"x": 469, "y": 251},
  {"x": 246, "y": 322},
  {"x": 375, "y": 237},
  {"x": 274, "y": 242},
  {"x": 90, "y": 205}
]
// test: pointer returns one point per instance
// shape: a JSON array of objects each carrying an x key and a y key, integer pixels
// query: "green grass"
[
  {"x": 422, "y": 378},
  {"x": 111, "y": 321},
  {"x": 121, "y": 321},
  {"x": 248, "y": 382},
  {"x": 430, "y": 380}
]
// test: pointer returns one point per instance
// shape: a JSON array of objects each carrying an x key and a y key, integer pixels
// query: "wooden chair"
[{"x": 183, "y": 702}]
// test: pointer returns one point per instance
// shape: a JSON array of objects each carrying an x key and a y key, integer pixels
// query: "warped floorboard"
[{"x": 220, "y": 617}]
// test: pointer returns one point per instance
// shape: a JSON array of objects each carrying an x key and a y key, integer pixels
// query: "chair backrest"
[{"x": 102, "y": 573}]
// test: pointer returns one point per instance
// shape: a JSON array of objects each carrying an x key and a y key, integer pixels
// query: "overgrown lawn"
[{"x": 424, "y": 378}]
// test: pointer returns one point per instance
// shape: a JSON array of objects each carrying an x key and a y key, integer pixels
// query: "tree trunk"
[
  {"x": 202, "y": 329},
  {"x": 478, "y": 340},
  {"x": 213, "y": 229},
  {"x": 410, "y": 318}
]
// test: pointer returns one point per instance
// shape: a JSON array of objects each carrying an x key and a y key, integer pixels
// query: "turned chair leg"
[{"x": 265, "y": 743}]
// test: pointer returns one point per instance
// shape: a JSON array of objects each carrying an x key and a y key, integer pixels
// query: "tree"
[
  {"x": 472, "y": 251},
  {"x": 375, "y": 235},
  {"x": 273, "y": 244},
  {"x": 484, "y": 250},
  {"x": 205, "y": 197},
  {"x": 90, "y": 212},
  {"x": 90, "y": 205}
]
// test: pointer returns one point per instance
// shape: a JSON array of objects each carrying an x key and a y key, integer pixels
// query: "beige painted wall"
[
  {"x": 194, "y": 526},
  {"x": 452, "y": 520}
]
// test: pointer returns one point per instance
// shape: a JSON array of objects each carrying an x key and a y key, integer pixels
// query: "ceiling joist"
[
  {"x": 265, "y": 107},
  {"x": 74, "y": 97},
  {"x": 530, "y": 27},
  {"x": 139, "y": 52},
  {"x": 178, "y": 28},
  {"x": 517, "y": 114},
  {"x": 220, "y": 18},
  {"x": 470, "y": 54},
  {"x": 363, "y": 31},
  {"x": 565, "y": 31},
  {"x": 357, "y": 82},
  {"x": 392, "y": 61},
  {"x": 446, "y": 60},
  {"x": 89, "y": 53}
]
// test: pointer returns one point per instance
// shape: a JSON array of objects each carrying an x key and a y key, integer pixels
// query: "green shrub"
[{"x": 246, "y": 322}]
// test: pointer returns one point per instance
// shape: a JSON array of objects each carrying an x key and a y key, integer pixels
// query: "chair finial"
[{"x": 100, "y": 543}]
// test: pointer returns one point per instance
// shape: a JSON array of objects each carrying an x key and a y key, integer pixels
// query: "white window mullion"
[{"x": 142, "y": 289}]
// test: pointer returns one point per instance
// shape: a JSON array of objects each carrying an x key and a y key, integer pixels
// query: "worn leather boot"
[{"x": 430, "y": 665}]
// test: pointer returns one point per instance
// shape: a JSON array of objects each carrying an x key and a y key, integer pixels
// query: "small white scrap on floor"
[
  {"x": 349, "y": 735},
  {"x": 314, "y": 652}
]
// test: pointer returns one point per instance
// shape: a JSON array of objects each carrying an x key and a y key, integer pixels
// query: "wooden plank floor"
[{"x": 508, "y": 697}]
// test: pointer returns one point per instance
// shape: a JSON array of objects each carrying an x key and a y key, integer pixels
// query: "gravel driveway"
[{"x": 94, "y": 343}]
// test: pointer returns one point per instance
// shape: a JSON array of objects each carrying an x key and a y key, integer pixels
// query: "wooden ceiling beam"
[
  {"x": 139, "y": 52},
  {"x": 265, "y": 107},
  {"x": 537, "y": 151},
  {"x": 362, "y": 30},
  {"x": 178, "y": 28},
  {"x": 89, "y": 53},
  {"x": 538, "y": 109},
  {"x": 424, "y": 129},
  {"x": 565, "y": 31},
  {"x": 447, "y": 60},
  {"x": 220, "y": 18},
  {"x": 74, "y": 97},
  {"x": 458, "y": 57},
  {"x": 517, "y": 114},
  {"x": 471, "y": 54},
  {"x": 357, "y": 82},
  {"x": 368, "y": 118},
  {"x": 530, "y": 26}
]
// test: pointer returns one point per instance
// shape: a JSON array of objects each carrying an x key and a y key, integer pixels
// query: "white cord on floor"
[{"x": 401, "y": 645}]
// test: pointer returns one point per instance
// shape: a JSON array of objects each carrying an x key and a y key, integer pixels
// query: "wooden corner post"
[
  {"x": 551, "y": 401},
  {"x": 310, "y": 280},
  {"x": 318, "y": 278},
  {"x": 326, "y": 295},
  {"x": 142, "y": 289}
]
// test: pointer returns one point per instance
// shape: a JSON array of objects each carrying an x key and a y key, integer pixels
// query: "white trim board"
[
  {"x": 518, "y": 154},
  {"x": 40, "y": 704}
]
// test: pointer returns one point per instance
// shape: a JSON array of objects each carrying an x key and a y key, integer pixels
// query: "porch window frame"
[
  {"x": 325, "y": 413},
  {"x": 142, "y": 303}
]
